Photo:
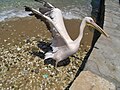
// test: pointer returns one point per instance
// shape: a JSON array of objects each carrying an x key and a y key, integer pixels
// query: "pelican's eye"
[{"x": 91, "y": 20}]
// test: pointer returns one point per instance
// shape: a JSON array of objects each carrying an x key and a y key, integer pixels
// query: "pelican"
[{"x": 62, "y": 45}]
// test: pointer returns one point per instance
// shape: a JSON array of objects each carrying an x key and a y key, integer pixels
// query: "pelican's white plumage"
[{"x": 63, "y": 46}]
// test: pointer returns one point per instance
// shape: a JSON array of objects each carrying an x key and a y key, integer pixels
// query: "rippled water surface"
[{"x": 70, "y": 8}]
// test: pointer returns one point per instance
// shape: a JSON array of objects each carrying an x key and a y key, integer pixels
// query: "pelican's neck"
[{"x": 82, "y": 26}]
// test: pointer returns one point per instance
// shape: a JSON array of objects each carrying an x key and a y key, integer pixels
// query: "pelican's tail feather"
[{"x": 49, "y": 55}]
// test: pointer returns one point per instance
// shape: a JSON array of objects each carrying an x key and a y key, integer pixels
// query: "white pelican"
[{"x": 63, "y": 46}]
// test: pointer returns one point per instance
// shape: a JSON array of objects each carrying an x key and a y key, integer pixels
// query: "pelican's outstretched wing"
[
  {"x": 54, "y": 20},
  {"x": 56, "y": 15}
]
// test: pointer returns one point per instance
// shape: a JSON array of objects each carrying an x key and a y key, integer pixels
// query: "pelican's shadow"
[{"x": 45, "y": 47}]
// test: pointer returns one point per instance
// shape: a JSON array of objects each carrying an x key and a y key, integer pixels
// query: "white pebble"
[
  {"x": 5, "y": 40},
  {"x": 18, "y": 49}
]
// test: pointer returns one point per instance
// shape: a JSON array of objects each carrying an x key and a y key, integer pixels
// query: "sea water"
[{"x": 77, "y": 9}]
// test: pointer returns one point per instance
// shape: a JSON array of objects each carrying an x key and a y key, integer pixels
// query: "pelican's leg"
[{"x": 56, "y": 63}]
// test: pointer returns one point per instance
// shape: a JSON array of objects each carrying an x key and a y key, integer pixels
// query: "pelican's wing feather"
[
  {"x": 55, "y": 25},
  {"x": 57, "y": 18}
]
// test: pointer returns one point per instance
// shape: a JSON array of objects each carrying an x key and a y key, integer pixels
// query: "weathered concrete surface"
[
  {"x": 105, "y": 58},
  {"x": 89, "y": 81}
]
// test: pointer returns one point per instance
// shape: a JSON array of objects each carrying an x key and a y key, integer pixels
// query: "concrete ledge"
[{"x": 89, "y": 81}]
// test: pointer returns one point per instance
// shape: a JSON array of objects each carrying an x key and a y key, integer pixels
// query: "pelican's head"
[{"x": 91, "y": 22}]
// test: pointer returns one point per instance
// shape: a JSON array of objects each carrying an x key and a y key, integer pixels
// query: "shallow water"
[
  {"x": 21, "y": 59},
  {"x": 71, "y": 8}
]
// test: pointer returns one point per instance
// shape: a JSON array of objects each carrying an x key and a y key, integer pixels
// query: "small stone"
[
  {"x": 86, "y": 33},
  {"x": 45, "y": 76},
  {"x": 45, "y": 68},
  {"x": 81, "y": 45},
  {"x": 11, "y": 34},
  {"x": 36, "y": 71},
  {"x": 38, "y": 35},
  {"x": 18, "y": 49},
  {"x": 5, "y": 40},
  {"x": 88, "y": 46},
  {"x": 9, "y": 44}
]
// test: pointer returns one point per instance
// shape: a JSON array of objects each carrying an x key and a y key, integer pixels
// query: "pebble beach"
[{"x": 22, "y": 64}]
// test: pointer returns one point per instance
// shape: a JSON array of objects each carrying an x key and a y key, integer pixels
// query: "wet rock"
[
  {"x": 36, "y": 71},
  {"x": 89, "y": 81}
]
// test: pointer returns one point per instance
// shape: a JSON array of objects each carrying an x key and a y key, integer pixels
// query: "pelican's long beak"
[{"x": 94, "y": 25}]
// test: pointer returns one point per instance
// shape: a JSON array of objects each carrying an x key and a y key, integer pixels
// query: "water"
[{"x": 70, "y": 8}]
